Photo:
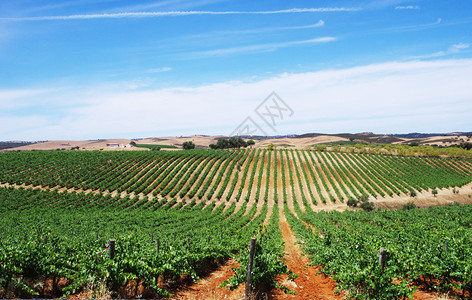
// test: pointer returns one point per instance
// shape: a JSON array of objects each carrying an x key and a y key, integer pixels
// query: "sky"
[{"x": 93, "y": 69}]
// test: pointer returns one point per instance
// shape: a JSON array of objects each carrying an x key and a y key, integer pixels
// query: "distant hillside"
[
  {"x": 417, "y": 135},
  {"x": 367, "y": 137},
  {"x": 8, "y": 145},
  {"x": 289, "y": 140}
]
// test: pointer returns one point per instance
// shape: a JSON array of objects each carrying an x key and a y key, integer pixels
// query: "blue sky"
[{"x": 88, "y": 69}]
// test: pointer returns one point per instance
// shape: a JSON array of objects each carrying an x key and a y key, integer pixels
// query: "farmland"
[
  {"x": 314, "y": 177},
  {"x": 178, "y": 213}
]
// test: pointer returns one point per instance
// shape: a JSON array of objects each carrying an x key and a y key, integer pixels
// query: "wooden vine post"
[
  {"x": 382, "y": 257},
  {"x": 111, "y": 250},
  {"x": 250, "y": 268}
]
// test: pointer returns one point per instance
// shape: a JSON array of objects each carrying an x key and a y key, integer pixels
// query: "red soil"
[
  {"x": 208, "y": 287},
  {"x": 309, "y": 284}
]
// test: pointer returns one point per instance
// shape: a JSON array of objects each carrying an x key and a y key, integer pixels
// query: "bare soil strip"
[
  {"x": 208, "y": 287},
  {"x": 309, "y": 284}
]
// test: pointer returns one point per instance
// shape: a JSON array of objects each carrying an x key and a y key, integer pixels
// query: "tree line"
[{"x": 232, "y": 142}]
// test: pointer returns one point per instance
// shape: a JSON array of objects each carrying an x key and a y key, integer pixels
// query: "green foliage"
[
  {"x": 347, "y": 245},
  {"x": 268, "y": 260},
  {"x": 466, "y": 146},
  {"x": 413, "y": 193},
  {"x": 188, "y": 145},
  {"x": 352, "y": 202},
  {"x": 232, "y": 142},
  {"x": 267, "y": 266},
  {"x": 364, "y": 203},
  {"x": 409, "y": 205},
  {"x": 318, "y": 176},
  {"x": 434, "y": 192},
  {"x": 47, "y": 233},
  {"x": 367, "y": 205}
]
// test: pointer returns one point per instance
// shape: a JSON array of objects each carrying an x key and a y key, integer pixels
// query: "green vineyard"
[
  {"x": 317, "y": 177},
  {"x": 178, "y": 213}
]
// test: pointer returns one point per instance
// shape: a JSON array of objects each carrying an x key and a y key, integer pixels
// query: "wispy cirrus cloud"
[
  {"x": 320, "y": 23},
  {"x": 155, "y": 14},
  {"x": 159, "y": 70},
  {"x": 407, "y": 7},
  {"x": 269, "y": 47},
  {"x": 166, "y": 4},
  {"x": 453, "y": 49},
  {"x": 226, "y": 33},
  {"x": 406, "y": 28},
  {"x": 65, "y": 4},
  {"x": 416, "y": 27}
]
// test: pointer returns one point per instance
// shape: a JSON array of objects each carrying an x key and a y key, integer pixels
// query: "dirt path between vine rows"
[
  {"x": 308, "y": 285},
  {"x": 207, "y": 288}
]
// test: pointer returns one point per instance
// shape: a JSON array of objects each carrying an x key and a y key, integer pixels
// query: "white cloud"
[
  {"x": 411, "y": 27},
  {"x": 407, "y": 7},
  {"x": 19, "y": 98},
  {"x": 159, "y": 70},
  {"x": 258, "y": 48},
  {"x": 429, "y": 96},
  {"x": 453, "y": 49},
  {"x": 121, "y": 15},
  {"x": 458, "y": 47},
  {"x": 25, "y": 127},
  {"x": 168, "y": 4},
  {"x": 320, "y": 23}
]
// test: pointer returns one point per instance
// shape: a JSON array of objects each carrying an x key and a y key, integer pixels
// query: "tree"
[
  {"x": 271, "y": 147},
  {"x": 222, "y": 144},
  {"x": 250, "y": 142},
  {"x": 188, "y": 145},
  {"x": 236, "y": 142},
  {"x": 434, "y": 192},
  {"x": 133, "y": 143},
  {"x": 367, "y": 205},
  {"x": 352, "y": 202},
  {"x": 232, "y": 142}
]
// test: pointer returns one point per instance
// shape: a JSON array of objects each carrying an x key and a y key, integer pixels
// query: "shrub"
[
  {"x": 367, "y": 205},
  {"x": 352, "y": 202},
  {"x": 409, "y": 205},
  {"x": 412, "y": 193}
]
